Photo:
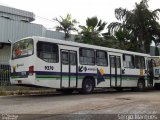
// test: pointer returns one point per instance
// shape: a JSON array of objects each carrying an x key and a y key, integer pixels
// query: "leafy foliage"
[
  {"x": 66, "y": 25},
  {"x": 135, "y": 29},
  {"x": 91, "y": 33},
  {"x": 141, "y": 23}
]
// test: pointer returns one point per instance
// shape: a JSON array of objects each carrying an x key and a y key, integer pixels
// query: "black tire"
[
  {"x": 157, "y": 86},
  {"x": 141, "y": 85},
  {"x": 87, "y": 86},
  {"x": 119, "y": 89}
]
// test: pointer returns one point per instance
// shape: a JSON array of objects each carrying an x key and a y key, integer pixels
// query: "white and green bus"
[{"x": 68, "y": 66}]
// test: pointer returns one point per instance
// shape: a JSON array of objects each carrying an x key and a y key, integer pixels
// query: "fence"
[{"x": 4, "y": 71}]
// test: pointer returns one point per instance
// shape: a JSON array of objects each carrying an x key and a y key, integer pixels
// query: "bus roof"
[
  {"x": 76, "y": 44},
  {"x": 154, "y": 56}
]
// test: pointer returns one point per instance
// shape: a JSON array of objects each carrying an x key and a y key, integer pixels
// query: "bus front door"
[
  {"x": 115, "y": 71},
  {"x": 68, "y": 69}
]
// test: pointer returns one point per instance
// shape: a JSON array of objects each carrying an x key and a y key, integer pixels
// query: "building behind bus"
[{"x": 16, "y": 24}]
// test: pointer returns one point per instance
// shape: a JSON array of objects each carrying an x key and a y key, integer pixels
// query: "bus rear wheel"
[
  {"x": 141, "y": 85},
  {"x": 87, "y": 86},
  {"x": 157, "y": 86}
]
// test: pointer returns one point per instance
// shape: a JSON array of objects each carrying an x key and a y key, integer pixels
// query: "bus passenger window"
[
  {"x": 65, "y": 58},
  {"x": 139, "y": 62},
  {"x": 112, "y": 61},
  {"x": 118, "y": 62},
  {"x": 101, "y": 58},
  {"x": 72, "y": 58},
  {"x": 68, "y": 55},
  {"x": 128, "y": 61},
  {"x": 47, "y": 52},
  {"x": 87, "y": 56}
]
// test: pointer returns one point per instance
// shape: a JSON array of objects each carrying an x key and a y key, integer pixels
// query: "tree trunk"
[{"x": 142, "y": 45}]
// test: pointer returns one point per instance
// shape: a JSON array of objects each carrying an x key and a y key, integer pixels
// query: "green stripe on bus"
[
  {"x": 15, "y": 77},
  {"x": 47, "y": 76},
  {"x": 130, "y": 78},
  {"x": 47, "y": 79},
  {"x": 50, "y": 77}
]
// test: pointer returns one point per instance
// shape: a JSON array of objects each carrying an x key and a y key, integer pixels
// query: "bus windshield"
[{"x": 22, "y": 48}]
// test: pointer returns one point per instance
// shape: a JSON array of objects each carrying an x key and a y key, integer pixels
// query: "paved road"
[{"x": 76, "y": 106}]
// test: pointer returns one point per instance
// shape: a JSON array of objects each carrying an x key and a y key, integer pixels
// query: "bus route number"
[{"x": 49, "y": 68}]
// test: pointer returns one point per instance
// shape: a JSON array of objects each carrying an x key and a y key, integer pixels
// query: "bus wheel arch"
[
  {"x": 88, "y": 85},
  {"x": 141, "y": 84}
]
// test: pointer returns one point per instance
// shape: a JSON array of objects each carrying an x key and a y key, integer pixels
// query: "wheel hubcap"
[
  {"x": 140, "y": 85},
  {"x": 88, "y": 87}
]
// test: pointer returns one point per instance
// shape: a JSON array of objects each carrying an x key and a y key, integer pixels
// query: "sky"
[{"x": 46, "y": 10}]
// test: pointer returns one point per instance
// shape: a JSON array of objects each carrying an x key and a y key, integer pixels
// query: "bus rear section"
[
  {"x": 22, "y": 62},
  {"x": 47, "y": 66}
]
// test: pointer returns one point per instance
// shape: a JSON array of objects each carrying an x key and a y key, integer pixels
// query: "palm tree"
[
  {"x": 66, "y": 25},
  {"x": 91, "y": 33},
  {"x": 156, "y": 40},
  {"x": 109, "y": 41},
  {"x": 139, "y": 22}
]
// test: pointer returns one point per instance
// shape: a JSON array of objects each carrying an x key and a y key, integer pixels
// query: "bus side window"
[
  {"x": 101, "y": 58},
  {"x": 47, "y": 52},
  {"x": 73, "y": 58},
  {"x": 65, "y": 58},
  {"x": 87, "y": 56},
  {"x": 140, "y": 62},
  {"x": 128, "y": 61}
]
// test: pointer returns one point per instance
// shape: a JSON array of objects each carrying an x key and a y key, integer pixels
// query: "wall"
[
  {"x": 5, "y": 54},
  {"x": 15, "y": 30}
]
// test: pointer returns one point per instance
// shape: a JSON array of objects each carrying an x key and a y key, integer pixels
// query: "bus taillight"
[{"x": 31, "y": 70}]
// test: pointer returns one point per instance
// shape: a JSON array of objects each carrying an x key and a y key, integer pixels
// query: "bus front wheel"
[
  {"x": 157, "y": 86},
  {"x": 141, "y": 85},
  {"x": 87, "y": 86}
]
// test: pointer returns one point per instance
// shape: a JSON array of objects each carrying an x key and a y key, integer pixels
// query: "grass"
[
  {"x": 2, "y": 92},
  {"x": 16, "y": 90}
]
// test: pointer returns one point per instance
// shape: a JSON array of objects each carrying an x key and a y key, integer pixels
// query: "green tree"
[
  {"x": 139, "y": 22},
  {"x": 109, "y": 41},
  {"x": 66, "y": 24},
  {"x": 156, "y": 37},
  {"x": 124, "y": 38},
  {"x": 91, "y": 33},
  {"x": 157, "y": 43},
  {"x": 120, "y": 40}
]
